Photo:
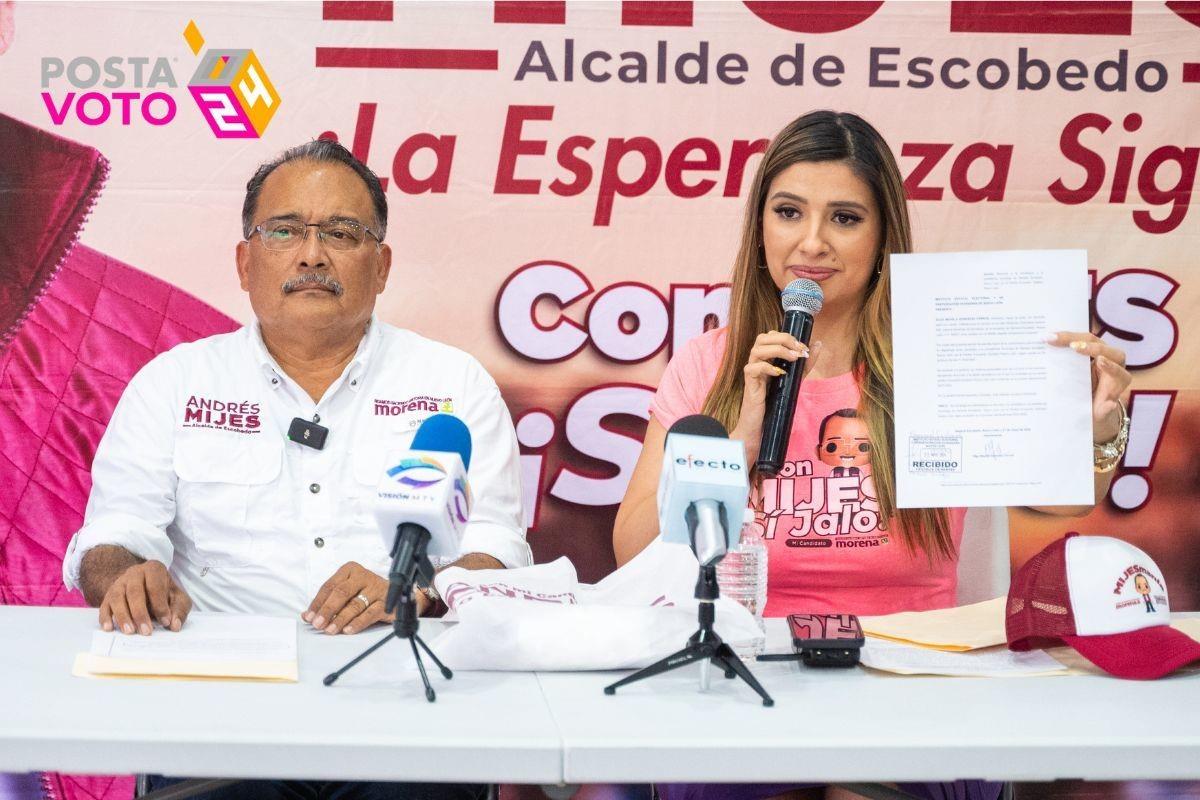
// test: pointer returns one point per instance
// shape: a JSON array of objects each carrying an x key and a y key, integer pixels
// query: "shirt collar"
[
  {"x": 362, "y": 358},
  {"x": 353, "y": 374}
]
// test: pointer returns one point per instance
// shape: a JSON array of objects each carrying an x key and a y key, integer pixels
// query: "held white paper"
[{"x": 988, "y": 413}]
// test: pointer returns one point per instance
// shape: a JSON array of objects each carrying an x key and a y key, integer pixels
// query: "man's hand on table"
[
  {"x": 142, "y": 594},
  {"x": 353, "y": 600}
]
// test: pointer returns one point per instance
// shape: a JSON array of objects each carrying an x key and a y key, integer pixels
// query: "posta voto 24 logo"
[{"x": 230, "y": 87}]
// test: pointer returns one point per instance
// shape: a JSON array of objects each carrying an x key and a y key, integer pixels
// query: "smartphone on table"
[{"x": 823, "y": 640}]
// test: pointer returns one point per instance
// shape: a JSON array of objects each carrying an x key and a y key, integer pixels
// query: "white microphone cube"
[
  {"x": 427, "y": 488},
  {"x": 701, "y": 468}
]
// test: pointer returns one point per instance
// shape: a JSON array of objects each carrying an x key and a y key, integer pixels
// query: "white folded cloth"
[{"x": 542, "y": 618}]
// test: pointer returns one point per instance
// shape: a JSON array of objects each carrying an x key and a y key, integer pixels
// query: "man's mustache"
[{"x": 313, "y": 279}]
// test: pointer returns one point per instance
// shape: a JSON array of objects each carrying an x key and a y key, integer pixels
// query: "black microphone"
[
  {"x": 802, "y": 300},
  {"x": 699, "y": 425}
]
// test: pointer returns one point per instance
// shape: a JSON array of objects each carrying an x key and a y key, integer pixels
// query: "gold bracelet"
[{"x": 1105, "y": 457}]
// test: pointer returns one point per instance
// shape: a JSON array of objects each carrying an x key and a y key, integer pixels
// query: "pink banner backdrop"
[{"x": 566, "y": 183}]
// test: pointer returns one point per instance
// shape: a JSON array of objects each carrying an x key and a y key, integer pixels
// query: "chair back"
[{"x": 983, "y": 556}]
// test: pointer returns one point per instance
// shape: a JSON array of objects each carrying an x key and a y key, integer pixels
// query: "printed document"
[
  {"x": 988, "y": 413},
  {"x": 211, "y": 645},
  {"x": 992, "y": 662}
]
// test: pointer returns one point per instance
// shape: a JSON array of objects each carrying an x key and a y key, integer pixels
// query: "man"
[
  {"x": 198, "y": 495},
  {"x": 200, "y": 498}
]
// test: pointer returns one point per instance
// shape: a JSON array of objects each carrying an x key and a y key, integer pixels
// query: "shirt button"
[
  {"x": 314, "y": 488},
  {"x": 275, "y": 380},
  {"x": 316, "y": 417},
  {"x": 319, "y": 542}
]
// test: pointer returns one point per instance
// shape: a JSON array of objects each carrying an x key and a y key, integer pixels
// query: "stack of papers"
[
  {"x": 221, "y": 646},
  {"x": 962, "y": 641},
  {"x": 955, "y": 630},
  {"x": 990, "y": 662},
  {"x": 969, "y": 641}
]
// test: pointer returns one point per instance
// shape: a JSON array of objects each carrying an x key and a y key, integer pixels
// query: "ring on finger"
[{"x": 362, "y": 598}]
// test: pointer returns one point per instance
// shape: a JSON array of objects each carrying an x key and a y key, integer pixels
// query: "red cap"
[{"x": 1103, "y": 597}]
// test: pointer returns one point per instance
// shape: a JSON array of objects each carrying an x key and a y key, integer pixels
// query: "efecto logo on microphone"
[
  {"x": 230, "y": 87},
  {"x": 692, "y": 462},
  {"x": 418, "y": 473}
]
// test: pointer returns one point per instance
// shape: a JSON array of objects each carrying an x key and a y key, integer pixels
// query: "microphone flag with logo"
[
  {"x": 427, "y": 486},
  {"x": 702, "y": 487},
  {"x": 802, "y": 300}
]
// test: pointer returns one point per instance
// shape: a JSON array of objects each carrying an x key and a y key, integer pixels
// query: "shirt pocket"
[
  {"x": 227, "y": 490},
  {"x": 366, "y": 466}
]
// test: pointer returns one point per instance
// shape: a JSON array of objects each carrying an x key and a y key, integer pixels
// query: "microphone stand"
[
  {"x": 410, "y": 567},
  {"x": 704, "y": 645}
]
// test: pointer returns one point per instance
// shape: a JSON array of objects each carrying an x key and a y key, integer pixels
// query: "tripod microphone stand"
[
  {"x": 704, "y": 645},
  {"x": 410, "y": 567}
]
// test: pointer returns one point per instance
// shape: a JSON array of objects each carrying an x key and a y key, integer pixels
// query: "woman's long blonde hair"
[{"x": 754, "y": 304}]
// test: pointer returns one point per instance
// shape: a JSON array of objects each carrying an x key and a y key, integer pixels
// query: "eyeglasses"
[{"x": 288, "y": 234}]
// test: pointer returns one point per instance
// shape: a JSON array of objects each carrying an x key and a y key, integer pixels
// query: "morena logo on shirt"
[
  {"x": 395, "y": 408},
  {"x": 240, "y": 416}
]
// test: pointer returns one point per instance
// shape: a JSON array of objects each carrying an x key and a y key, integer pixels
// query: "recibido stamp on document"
[{"x": 931, "y": 453}]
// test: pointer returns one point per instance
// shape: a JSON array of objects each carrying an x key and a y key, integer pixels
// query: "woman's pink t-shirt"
[{"x": 826, "y": 552}]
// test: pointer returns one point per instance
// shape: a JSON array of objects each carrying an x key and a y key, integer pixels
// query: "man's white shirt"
[{"x": 195, "y": 469}]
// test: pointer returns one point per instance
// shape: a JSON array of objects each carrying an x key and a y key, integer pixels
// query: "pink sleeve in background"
[{"x": 688, "y": 377}]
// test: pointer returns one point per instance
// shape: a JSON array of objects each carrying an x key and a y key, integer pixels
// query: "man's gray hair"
[{"x": 321, "y": 150}]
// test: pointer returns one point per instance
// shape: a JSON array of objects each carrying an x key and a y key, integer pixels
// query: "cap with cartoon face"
[{"x": 1105, "y": 598}]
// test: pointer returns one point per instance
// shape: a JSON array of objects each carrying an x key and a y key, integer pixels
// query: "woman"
[{"x": 827, "y": 203}]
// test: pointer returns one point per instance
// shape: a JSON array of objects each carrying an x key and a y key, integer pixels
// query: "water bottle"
[{"x": 742, "y": 577}]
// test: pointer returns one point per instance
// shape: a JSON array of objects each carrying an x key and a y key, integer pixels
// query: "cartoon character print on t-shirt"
[{"x": 829, "y": 502}]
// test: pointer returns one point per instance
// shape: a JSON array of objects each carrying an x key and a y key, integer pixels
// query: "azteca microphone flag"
[{"x": 1105, "y": 598}]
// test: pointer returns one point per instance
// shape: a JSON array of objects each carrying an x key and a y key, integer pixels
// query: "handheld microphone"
[
  {"x": 704, "y": 486},
  {"x": 424, "y": 501},
  {"x": 802, "y": 300}
]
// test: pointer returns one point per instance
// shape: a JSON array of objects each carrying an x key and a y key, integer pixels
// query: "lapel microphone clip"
[{"x": 309, "y": 434}]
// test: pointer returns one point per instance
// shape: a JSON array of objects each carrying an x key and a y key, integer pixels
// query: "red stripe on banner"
[
  {"x": 813, "y": 16},
  {"x": 532, "y": 12},
  {"x": 656, "y": 12},
  {"x": 1191, "y": 72},
  {"x": 1086, "y": 17},
  {"x": 1187, "y": 10},
  {"x": 361, "y": 10},
  {"x": 406, "y": 58}
]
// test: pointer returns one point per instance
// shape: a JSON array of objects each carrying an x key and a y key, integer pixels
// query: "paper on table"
[
  {"x": 950, "y": 629},
  {"x": 238, "y": 646},
  {"x": 994, "y": 662},
  {"x": 987, "y": 413}
]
